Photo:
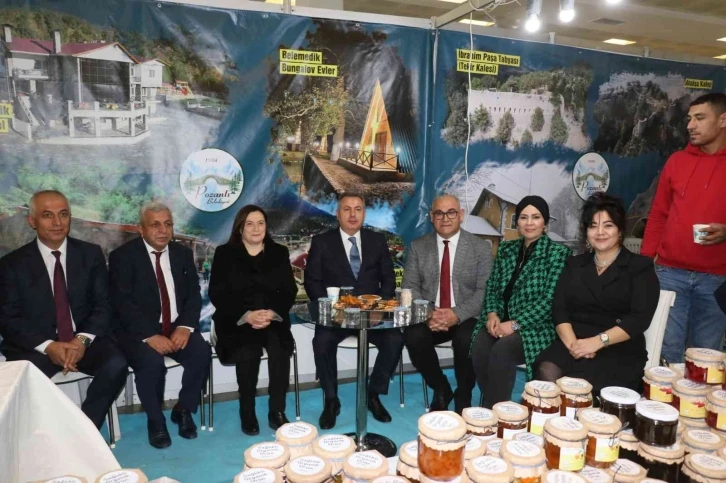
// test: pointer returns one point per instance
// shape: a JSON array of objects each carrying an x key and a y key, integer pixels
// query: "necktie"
[
  {"x": 63, "y": 321},
  {"x": 165, "y": 304},
  {"x": 354, "y": 257},
  {"x": 445, "y": 280}
]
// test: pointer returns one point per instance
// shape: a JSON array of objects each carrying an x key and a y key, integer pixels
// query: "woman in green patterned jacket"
[{"x": 516, "y": 320}]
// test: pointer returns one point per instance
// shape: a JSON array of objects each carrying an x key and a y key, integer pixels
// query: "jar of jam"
[
  {"x": 530, "y": 438},
  {"x": 298, "y": 437},
  {"x": 559, "y": 476},
  {"x": 543, "y": 401},
  {"x": 662, "y": 462},
  {"x": 364, "y": 466},
  {"x": 489, "y": 469},
  {"x": 334, "y": 448},
  {"x": 690, "y": 398},
  {"x": 513, "y": 419},
  {"x": 407, "y": 465},
  {"x": 527, "y": 459},
  {"x": 565, "y": 444},
  {"x": 603, "y": 443},
  {"x": 259, "y": 475},
  {"x": 134, "y": 475},
  {"x": 656, "y": 423},
  {"x": 474, "y": 448},
  {"x": 658, "y": 384},
  {"x": 716, "y": 409},
  {"x": 441, "y": 445},
  {"x": 680, "y": 368},
  {"x": 481, "y": 423},
  {"x": 494, "y": 447},
  {"x": 628, "y": 445},
  {"x": 625, "y": 471},
  {"x": 690, "y": 423},
  {"x": 704, "y": 468},
  {"x": 270, "y": 455},
  {"x": 576, "y": 394},
  {"x": 702, "y": 441},
  {"x": 596, "y": 475},
  {"x": 307, "y": 469},
  {"x": 705, "y": 366},
  {"x": 620, "y": 402},
  {"x": 390, "y": 479}
]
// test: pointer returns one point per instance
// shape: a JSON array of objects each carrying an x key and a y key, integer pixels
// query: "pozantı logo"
[
  {"x": 591, "y": 174},
  {"x": 211, "y": 179}
]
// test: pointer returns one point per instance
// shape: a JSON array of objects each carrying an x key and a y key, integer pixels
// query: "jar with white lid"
[
  {"x": 691, "y": 423},
  {"x": 662, "y": 462},
  {"x": 559, "y": 476},
  {"x": 307, "y": 469},
  {"x": 271, "y": 455},
  {"x": 530, "y": 438},
  {"x": 480, "y": 422},
  {"x": 390, "y": 479},
  {"x": 596, "y": 475},
  {"x": 626, "y": 471},
  {"x": 620, "y": 402},
  {"x": 705, "y": 366},
  {"x": 494, "y": 447},
  {"x": 298, "y": 437},
  {"x": 513, "y": 419},
  {"x": 680, "y": 368},
  {"x": 628, "y": 445},
  {"x": 407, "y": 465},
  {"x": 565, "y": 444},
  {"x": 364, "y": 466},
  {"x": 689, "y": 398},
  {"x": 658, "y": 384},
  {"x": 702, "y": 441},
  {"x": 489, "y": 469},
  {"x": 704, "y": 468},
  {"x": 133, "y": 475},
  {"x": 716, "y": 409},
  {"x": 527, "y": 459},
  {"x": 656, "y": 423},
  {"x": 576, "y": 395},
  {"x": 64, "y": 479},
  {"x": 603, "y": 433},
  {"x": 474, "y": 448},
  {"x": 442, "y": 440},
  {"x": 334, "y": 448},
  {"x": 543, "y": 401},
  {"x": 259, "y": 475}
]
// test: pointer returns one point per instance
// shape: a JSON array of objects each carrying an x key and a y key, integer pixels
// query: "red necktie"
[
  {"x": 445, "y": 281},
  {"x": 165, "y": 304},
  {"x": 63, "y": 321}
]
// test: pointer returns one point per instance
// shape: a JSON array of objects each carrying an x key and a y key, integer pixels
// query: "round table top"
[{"x": 369, "y": 319}]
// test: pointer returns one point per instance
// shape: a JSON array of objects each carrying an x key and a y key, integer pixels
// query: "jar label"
[
  {"x": 607, "y": 450},
  {"x": 473, "y": 444},
  {"x": 295, "y": 430},
  {"x": 267, "y": 451},
  {"x": 570, "y": 412},
  {"x": 542, "y": 386},
  {"x": 626, "y": 467},
  {"x": 509, "y": 433},
  {"x": 63, "y": 479},
  {"x": 562, "y": 477},
  {"x": 705, "y": 352},
  {"x": 530, "y": 438},
  {"x": 489, "y": 465},
  {"x": 257, "y": 475},
  {"x": 721, "y": 422},
  {"x": 570, "y": 382},
  {"x": 440, "y": 422},
  {"x": 704, "y": 436},
  {"x": 390, "y": 479},
  {"x": 510, "y": 408},
  {"x": 597, "y": 417},
  {"x": 661, "y": 393},
  {"x": 307, "y": 465},
  {"x": 366, "y": 460},
  {"x": 719, "y": 394},
  {"x": 714, "y": 375},
  {"x": 709, "y": 461},
  {"x": 567, "y": 424},
  {"x": 494, "y": 447},
  {"x": 120, "y": 476},
  {"x": 696, "y": 410},
  {"x": 656, "y": 410},
  {"x": 536, "y": 425},
  {"x": 523, "y": 448},
  {"x": 595, "y": 475},
  {"x": 334, "y": 442},
  {"x": 620, "y": 395},
  {"x": 687, "y": 384},
  {"x": 411, "y": 449},
  {"x": 478, "y": 414},
  {"x": 572, "y": 459},
  {"x": 662, "y": 371}
]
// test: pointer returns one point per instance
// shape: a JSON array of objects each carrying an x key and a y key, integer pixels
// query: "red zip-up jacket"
[{"x": 691, "y": 190}]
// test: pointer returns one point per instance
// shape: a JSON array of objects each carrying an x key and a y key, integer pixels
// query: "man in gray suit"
[{"x": 449, "y": 267}]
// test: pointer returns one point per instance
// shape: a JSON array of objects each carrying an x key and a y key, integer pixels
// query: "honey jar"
[
  {"x": 334, "y": 448},
  {"x": 705, "y": 366},
  {"x": 576, "y": 394},
  {"x": 559, "y": 476},
  {"x": 407, "y": 465},
  {"x": 474, "y": 448},
  {"x": 270, "y": 455},
  {"x": 489, "y": 469},
  {"x": 595, "y": 475},
  {"x": 662, "y": 462},
  {"x": 690, "y": 398},
  {"x": 704, "y": 468},
  {"x": 530, "y": 438},
  {"x": 364, "y": 466},
  {"x": 628, "y": 445},
  {"x": 625, "y": 471},
  {"x": 565, "y": 444},
  {"x": 259, "y": 475},
  {"x": 620, "y": 402},
  {"x": 656, "y": 423},
  {"x": 298, "y": 437},
  {"x": 441, "y": 444},
  {"x": 543, "y": 401},
  {"x": 513, "y": 419},
  {"x": 527, "y": 459},
  {"x": 658, "y": 384},
  {"x": 702, "y": 441},
  {"x": 716, "y": 409},
  {"x": 307, "y": 469},
  {"x": 603, "y": 443},
  {"x": 494, "y": 447},
  {"x": 480, "y": 422}
]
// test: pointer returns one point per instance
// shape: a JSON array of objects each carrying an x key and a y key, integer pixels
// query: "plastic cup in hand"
[
  {"x": 352, "y": 317},
  {"x": 420, "y": 310},
  {"x": 325, "y": 306},
  {"x": 333, "y": 294},
  {"x": 406, "y": 297},
  {"x": 699, "y": 233},
  {"x": 401, "y": 317}
]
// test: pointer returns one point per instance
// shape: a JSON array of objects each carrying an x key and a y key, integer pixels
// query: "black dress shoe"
[
  {"x": 183, "y": 418},
  {"x": 330, "y": 412},
  {"x": 158, "y": 435},
  {"x": 276, "y": 419},
  {"x": 376, "y": 408},
  {"x": 249, "y": 423},
  {"x": 441, "y": 400}
]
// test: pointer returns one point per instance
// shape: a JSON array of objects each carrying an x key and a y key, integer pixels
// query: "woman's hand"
[
  {"x": 505, "y": 329},
  {"x": 493, "y": 324},
  {"x": 586, "y": 348}
]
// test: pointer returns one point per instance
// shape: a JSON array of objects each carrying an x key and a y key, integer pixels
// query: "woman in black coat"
[{"x": 252, "y": 289}]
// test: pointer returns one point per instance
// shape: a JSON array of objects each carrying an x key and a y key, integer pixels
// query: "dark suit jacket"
[
  {"x": 27, "y": 307},
  {"x": 328, "y": 266},
  {"x": 135, "y": 293}
]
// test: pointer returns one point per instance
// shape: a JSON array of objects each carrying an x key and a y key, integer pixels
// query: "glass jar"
[
  {"x": 705, "y": 366},
  {"x": 513, "y": 419},
  {"x": 658, "y": 384},
  {"x": 364, "y": 466},
  {"x": 689, "y": 398},
  {"x": 625, "y": 471},
  {"x": 298, "y": 437},
  {"x": 307, "y": 469},
  {"x": 407, "y": 465},
  {"x": 489, "y": 469},
  {"x": 595, "y": 475},
  {"x": 603, "y": 443},
  {"x": 662, "y": 462},
  {"x": 576, "y": 394},
  {"x": 111, "y": 477},
  {"x": 494, "y": 447},
  {"x": 530, "y": 438},
  {"x": 559, "y": 476},
  {"x": 259, "y": 475},
  {"x": 704, "y": 468},
  {"x": 702, "y": 441},
  {"x": 656, "y": 423},
  {"x": 334, "y": 448},
  {"x": 474, "y": 448},
  {"x": 270, "y": 455},
  {"x": 481, "y": 423},
  {"x": 543, "y": 401},
  {"x": 628, "y": 445},
  {"x": 441, "y": 445},
  {"x": 620, "y": 402},
  {"x": 565, "y": 444},
  {"x": 716, "y": 409},
  {"x": 527, "y": 459}
]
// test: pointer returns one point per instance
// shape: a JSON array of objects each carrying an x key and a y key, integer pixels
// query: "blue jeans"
[{"x": 695, "y": 320}]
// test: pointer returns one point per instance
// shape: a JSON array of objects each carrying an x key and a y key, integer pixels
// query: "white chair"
[
  {"x": 654, "y": 334},
  {"x": 633, "y": 244},
  {"x": 445, "y": 345}
]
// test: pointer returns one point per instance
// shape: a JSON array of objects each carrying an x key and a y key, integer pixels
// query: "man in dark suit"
[
  {"x": 156, "y": 307},
  {"x": 54, "y": 308},
  {"x": 449, "y": 267},
  {"x": 359, "y": 258}
]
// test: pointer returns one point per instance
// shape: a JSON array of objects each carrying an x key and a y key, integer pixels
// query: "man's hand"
[
  {"x": 161, "y": 344},
  {"x": 442, "y": 320},
  {"x": 716, "y": 234},
  {"x": 73, "y": 355},
  {"x": 56, "y": 352},
  {"x": 493, "y": 324},
  {"x": 586, "y": 347},
  {"x": 259, "y": 319},
  {"x": 180, "y": 338}
]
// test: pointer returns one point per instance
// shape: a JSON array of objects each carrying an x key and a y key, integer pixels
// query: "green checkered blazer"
[{"x": 531, "y": 301}]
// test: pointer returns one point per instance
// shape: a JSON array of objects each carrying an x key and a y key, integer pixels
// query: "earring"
[{"x": 588, "y": 247}]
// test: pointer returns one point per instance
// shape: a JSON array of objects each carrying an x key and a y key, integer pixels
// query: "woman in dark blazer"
[
  {"x": 252, "y": 289},
  {"x": 603, "y": 304}
]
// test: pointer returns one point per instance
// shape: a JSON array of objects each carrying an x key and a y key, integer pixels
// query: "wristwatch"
[
  {"x": 515, "y": 326},
  {"x": 604, "y": 338},
  {"x": 86, "y": 341}
]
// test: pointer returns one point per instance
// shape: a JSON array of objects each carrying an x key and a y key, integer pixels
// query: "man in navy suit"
[
  {"x": 156, "y": 307},
  {"x": 359, "y": 258},
  {"x": 54, "y": 308}
]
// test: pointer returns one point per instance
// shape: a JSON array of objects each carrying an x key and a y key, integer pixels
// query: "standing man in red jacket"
[{"x": 690, "y": 192}]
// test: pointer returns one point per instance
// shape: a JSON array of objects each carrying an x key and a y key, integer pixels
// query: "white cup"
[
  {"x": 333, "y": 293},
  {"x": 699, "y": 233}
]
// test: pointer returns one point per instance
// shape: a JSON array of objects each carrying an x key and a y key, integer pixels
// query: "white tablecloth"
[{"x": 43, "y": 433}]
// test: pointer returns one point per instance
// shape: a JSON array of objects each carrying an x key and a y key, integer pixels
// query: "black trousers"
[
  {"x": 325, "y": 348},
  {"x": 495, "y": 364},
  {"x": 148, "y": 365},
  {"x": 102, "y": 360},
  {"x": 420, "y": 342}
]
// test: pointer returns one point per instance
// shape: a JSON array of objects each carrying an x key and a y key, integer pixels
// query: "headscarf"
[{"x": 536, "y": 201}]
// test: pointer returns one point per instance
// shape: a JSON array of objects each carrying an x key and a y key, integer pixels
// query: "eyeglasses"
[{"x": 451, "y": 214}]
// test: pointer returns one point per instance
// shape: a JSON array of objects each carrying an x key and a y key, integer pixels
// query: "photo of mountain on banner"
[{"x": 355, "y": 131}]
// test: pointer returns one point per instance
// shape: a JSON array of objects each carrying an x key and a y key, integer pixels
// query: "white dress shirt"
[
  {"x": 49, "y": 260},
  {"x": 453, "y": 243},
  {"x": 348, "y": 245}
]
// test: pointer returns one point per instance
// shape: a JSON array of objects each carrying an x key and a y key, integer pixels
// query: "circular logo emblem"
[
  {"x": 211, "y": 179},
  {"x": 591, "y": 174}
]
